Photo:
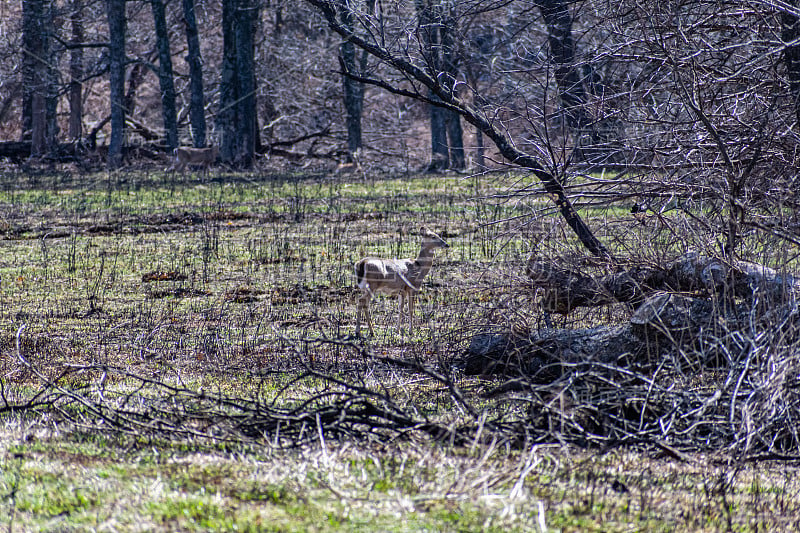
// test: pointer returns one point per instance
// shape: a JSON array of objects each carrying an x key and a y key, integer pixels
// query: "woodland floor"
[{"x": 238, "y": 282}]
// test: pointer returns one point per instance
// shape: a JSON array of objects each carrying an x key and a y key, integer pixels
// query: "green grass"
[
  {"x": 75, "y": 266},
  {"x": 58, "y": 481}
]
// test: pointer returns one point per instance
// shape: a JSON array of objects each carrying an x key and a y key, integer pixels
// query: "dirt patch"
[
  {"x": 243, "y": 294},
  {"x": 177, "y": 292},
  {"x": 163, "y": 276}
]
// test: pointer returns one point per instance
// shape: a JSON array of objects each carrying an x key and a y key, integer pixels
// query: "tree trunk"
[
  {"x": 197, "y": 114},
  {"x": 269, "y": 116},
  {"x": 479, "y": 149},
  {"x": 228, "y": 86},
  {"x": 440, "y": 155},
  {"x": 76, "y": 70},
  {"x": 116, "y": 56},
  {"x": 353, "y": 90},
  {"x": 165, "y": 78},
  {"x": 562, "y": 50},
  {"x": 13, "y": 92},
  {"x": 436, "y": 33},
  {"x": 51, "y": 73},
  {"x": 31, "y": 15},
  {"x": 689, "y": 304},
  {"x": 589, "y": 143},
  {"x": 38, "y": 124},
  {"x": 790, "y": 32},
  {"x": 245, "y": 53},
  {"x": 566, "y": 290},
  {"x": 33, "y": 75},
  {"x": 455, "y": 135},
  {"x": 455, "y": 132},
  {"x": 544, "y": 356},
  {"x": 135, "y": 79},
  {"x": 429, "y": 22},
  {"x": 237, "y": 114}
]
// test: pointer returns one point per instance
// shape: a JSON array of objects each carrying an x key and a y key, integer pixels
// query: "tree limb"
[{"x": 450, "y": 100}]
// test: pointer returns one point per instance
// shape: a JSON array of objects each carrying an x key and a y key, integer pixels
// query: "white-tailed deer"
[
  {"x": 401, "y": 277},
  {"x": 184, "y": 156},
  {"x": 351, "y": 165}
]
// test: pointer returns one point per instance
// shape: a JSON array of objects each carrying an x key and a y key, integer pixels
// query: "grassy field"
[{"x": 242, "y": 285}]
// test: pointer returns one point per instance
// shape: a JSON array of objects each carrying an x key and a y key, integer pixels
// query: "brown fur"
[{"x": 184, "y": 156}]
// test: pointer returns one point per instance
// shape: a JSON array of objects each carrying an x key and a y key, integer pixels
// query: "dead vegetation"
[
  {"x": 249, "y": 295},
  {"x": 233, "y": 326}
]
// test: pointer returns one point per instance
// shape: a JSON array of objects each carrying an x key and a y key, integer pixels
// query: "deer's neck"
[{"x": 421, "y": 267}]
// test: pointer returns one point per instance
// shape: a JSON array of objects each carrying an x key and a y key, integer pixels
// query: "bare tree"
[
  {"x": 116, "y": 53},
  {"x": 436, "y": 28},
  {"x": 436, "y": 87},
  {"x": 76, "y": 70},
  {"x": 197, "y": 113},
  {"x": 430, "y": 20},
  {"x": 571, "y": 82},
  {"x": 52, "y": 86},
  {"x": 237, "y": 113},
  {"x": 710, "y": 105},
  {"x": 34, "y": 111},
  {"x": 450, "y": 64},
  {"x": 352, "y": 89},
  {"x": 165, "y": 76}
]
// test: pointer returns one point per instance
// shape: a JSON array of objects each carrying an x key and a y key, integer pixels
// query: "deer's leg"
[
  {"x": 359, "y": 306},
  {"x": 363, "y": 307},
  {"x": 400, "y": 307},
  {"x": 410, "y": 313},
  {"x": 369, "y": 319}
]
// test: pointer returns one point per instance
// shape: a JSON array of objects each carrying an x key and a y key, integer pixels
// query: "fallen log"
[
  {"x": 542, "y": 356},
  {"x": 696, "y": 303},
  {"x": 694, "y": 273},
  {"x": 19, "y": 151},
  {"x": 663, "y": 325},
  {"x": 708, "y": 359},
  {"x": 16, "y": 151}
]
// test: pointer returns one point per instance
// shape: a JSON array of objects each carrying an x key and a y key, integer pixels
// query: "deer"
[
  {"x": 352, "y": 164},
  {"x": 401, "y": 277},
  {"x": 194, "y": 156}
]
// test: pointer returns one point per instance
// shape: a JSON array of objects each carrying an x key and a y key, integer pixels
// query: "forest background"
[{"x": 618, "y": 186}]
